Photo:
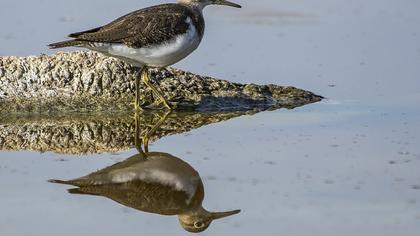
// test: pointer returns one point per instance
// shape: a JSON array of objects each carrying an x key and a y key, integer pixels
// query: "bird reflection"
[{"x": 153, "y": 182}]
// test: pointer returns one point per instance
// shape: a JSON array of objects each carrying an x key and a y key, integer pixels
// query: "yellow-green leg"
[
  {"x": 137, "y": 104},
  {"x": 137, "y": 141},
  {"x": 146, "y": 80},
  {"x": 137, "y": 94},
  {"x": 155, "y": 127},
  {"x": 143, "y": 142}
]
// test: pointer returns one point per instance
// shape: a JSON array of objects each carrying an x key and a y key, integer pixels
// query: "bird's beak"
[
  {"x": 219, "y": 215},
  {"x": 227, "y": 3}
]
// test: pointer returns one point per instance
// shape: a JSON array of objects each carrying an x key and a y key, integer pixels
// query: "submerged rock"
[{"x": 88, "y": 81}]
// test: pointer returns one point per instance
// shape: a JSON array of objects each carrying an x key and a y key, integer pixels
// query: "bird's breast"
[{"x": 161, "y": 54}]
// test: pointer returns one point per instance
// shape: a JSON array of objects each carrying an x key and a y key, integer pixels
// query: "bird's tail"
[
  {"x": 80, "y": 190},
  {"x": 57, "y": 181},
  {"x": 63, "y": 44},
  {"x": 83, "y": 191}
]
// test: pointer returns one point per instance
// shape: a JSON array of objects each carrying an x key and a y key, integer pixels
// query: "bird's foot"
[
  {"x": 169, "y": 107},
  {"x": 162, "y": 104}
]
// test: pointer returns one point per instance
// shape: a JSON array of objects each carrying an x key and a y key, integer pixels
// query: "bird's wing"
[
  {"x": 140, "y": 195},
  {"x": 141, "y": 28}
]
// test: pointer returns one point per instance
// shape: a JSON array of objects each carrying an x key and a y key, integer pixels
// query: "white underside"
[{"x": 164, "y": 54}]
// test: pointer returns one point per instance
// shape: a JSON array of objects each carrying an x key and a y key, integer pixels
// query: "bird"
[
  {"x": 154, "y": 182},
  {"x": 152, "y": 37}
]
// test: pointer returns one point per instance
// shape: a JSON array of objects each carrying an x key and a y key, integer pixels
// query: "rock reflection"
[
  {"x": 96, "y": 133},
  {"x": 154, "y": 182},
  {"x": 91, "y": 133}
]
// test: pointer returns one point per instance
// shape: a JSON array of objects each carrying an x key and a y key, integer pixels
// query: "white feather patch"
[{"x": 161, "y": 55}]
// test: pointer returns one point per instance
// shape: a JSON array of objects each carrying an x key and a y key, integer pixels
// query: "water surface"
[{"x": 348, "y": 165}]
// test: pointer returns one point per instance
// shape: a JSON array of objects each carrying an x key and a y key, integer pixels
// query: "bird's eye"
[{"x": 198, "y": 224}]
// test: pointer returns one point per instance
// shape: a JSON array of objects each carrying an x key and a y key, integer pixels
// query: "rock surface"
[{"x": 87, "y": 81}]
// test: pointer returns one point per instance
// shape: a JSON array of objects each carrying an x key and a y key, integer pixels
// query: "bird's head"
[
  {"x": 203, "y": 3},
  {"x": 198, "y": 221}
]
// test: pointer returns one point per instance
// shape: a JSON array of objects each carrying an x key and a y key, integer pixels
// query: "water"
[{"x": 347, "y": 165}]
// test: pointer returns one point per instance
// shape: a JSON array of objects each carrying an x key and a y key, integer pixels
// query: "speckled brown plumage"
[
  {"x": 147, "y": 196},
  {"x": 143, "y": 196},
  {"x": 144, "y": 27}
]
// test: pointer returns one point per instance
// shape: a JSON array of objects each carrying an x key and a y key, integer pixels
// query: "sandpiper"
[
  {"x": 156, "y": 36},
  {"x": 156, "y": 183}
]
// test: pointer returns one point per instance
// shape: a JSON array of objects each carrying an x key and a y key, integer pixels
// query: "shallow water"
[{"x": 347, "y": 165}]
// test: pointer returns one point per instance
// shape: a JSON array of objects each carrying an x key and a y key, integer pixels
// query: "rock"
[{"x": 88, "y": 81}]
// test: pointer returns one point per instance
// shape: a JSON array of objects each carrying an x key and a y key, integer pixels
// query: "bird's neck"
[{"x": 196, "y": 13}]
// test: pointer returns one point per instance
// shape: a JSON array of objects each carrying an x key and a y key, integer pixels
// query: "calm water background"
[{"x": 346, "y": 166}]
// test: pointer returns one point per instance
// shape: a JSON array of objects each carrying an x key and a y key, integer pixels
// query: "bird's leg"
[
  {"x": 137, "y": 142},
  {"x": 137, "y": 103},
  {"x": 156, "y": 126},
  {"x": 146, "y": 80},
  {"x": 137, "y": 93}
]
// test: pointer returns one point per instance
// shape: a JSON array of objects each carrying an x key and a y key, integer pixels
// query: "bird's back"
[{"x": 148, "y": 26}]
